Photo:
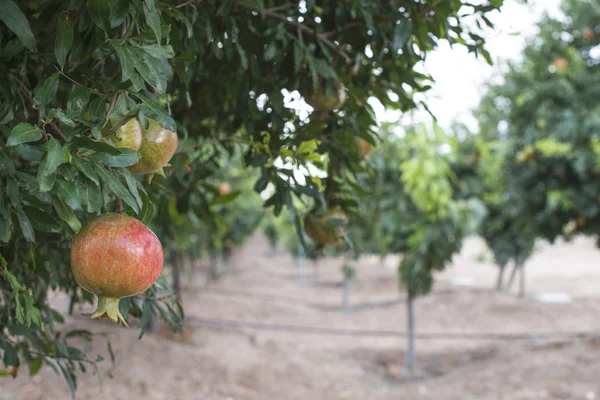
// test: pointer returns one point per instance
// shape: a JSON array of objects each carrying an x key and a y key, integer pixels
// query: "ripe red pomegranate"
[{"x": 115, "y": 256}]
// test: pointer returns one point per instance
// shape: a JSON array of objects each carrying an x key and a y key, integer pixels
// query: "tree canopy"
[{"x": 225, "y": 75}]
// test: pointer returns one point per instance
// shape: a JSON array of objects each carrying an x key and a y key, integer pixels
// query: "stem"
[
  {"x": 119, "y": 205},
  {"x": 522, "y": 280},
  {"x": 108, "y": 308},
  {"x": 513, "y": 273},
  {"x": 176, "y": 264},
  {"x": 500, "y": 280}
]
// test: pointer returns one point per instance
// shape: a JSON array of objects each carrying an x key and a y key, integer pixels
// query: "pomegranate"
[
  {"x": 363, "y": 147},
  {"x": 128, "y": 136},
  {"x": 561, "y": 64},
  {"x": 158, "y": 146},
  {"x": 588, "y": 35},
  {"x": 115, "y": 256},
  {"x": 224, "y": 188},
  {"x": 322, "y": 230},
  {"x": 322, "y": 104}
]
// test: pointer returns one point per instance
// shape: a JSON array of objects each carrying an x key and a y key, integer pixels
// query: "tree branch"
[
  {"x": 94, "y": 91},
  {"x": 303, "y": 28}
]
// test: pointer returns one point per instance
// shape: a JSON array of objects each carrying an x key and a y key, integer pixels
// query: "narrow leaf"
[
  {"x": 25, "y": 225},
  {"x": 46, "y": 91},
  {"x": 99, "y": 11},
  {"x": 85, "y": 167},
  {"x": 54, "y": 158},
  {"x": 152, "y": 19},
  {"x": 117, "y": 187},
  {"x": 64, "y": 38},
  {"x": 67, "y": 214},
  {"x": 15, "y": 20}
]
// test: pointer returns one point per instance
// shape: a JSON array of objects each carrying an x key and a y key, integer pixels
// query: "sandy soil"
[{"x": 233, "y": 363}]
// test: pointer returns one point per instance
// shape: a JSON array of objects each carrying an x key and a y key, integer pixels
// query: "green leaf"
[
  {"x": 96, "y": 145},
  {"x": 42, "y": 221},
  {"x": 6, "y": 164},
  {"x": 35, "y": 365},
  {"x": 132, "y": 186},
  {"x": 152, "y": 109},
  {"x": 12, "y": 189},
  {"x": 150, "y": 70},
  {"x": 120, "y": 107},
  {"x": 46, "y": 91},
  {"x": 117, "y": 187},
  {"x": 86, "y": 168},
  {"x": 99, "y": 11},
  {"x": 80, "y": 96},
  {"x": 67, "y": 214},
  {"x": 110, "y": 351},
  {"x": 158, "y": 51},
  {"x": 97, "y": 109},
  {"x": 91, "y": 196},
  {"x": 61, "y": 116},
  {"x": 147, "y": 211},
  {"x": 119, "y": 10},
  {"x": 402, "y": 32},
  {"x": 54, "y": 157},
  {"x": 10, "y": 354},
  {"x": 24, "y": 133},
  {"x": 46, "y": 182},
  {"x": 152, "y": 19},
  {"x": 15, "y": 20},
  {"x": 69, "y": 192},
  {"x": 126, "y": 60},
  {"x": 69, "y": 377},
  {"x": 64, "y": 38},
  {"x": 125, "y": 159},
  {"x": 228, "y": 198},
  {"x": 25, "y": 225}
]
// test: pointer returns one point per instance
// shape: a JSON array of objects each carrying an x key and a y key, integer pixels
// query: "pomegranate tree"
[{"x": 115, "y": 256}]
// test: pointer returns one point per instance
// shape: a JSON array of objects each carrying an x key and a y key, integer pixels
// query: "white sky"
[{"x": 459, "y": 76}]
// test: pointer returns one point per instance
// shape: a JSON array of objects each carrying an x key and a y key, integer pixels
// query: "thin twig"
[
  {"x": 187, "y": 3},
  {"x": 94, "y": 91},
  {"x": 319, "y": 36},
  {"x": 58, "y": 131}
]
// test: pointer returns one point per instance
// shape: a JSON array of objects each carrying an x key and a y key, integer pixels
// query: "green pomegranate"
[
  {"x": 322, "y": 104},
  {"x": 363, "y": 147},
  {"x": 115, "y": 256},
  {"x": 128, "y": 136},
  {"x": 158, "y": 146},
  {"x": 322, "y": 230}
]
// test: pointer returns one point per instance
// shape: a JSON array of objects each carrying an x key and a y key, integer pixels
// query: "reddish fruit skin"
[{"x": 116, "y": 256}]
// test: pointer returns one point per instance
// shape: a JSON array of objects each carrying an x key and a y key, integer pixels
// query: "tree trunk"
[
  {"x": 346, "y": 293},
  {"x": 302, "y": 273},
  {"x": 215, "y": 271},
  {"x": 500, "y": 280},
  {"x": 522, "y": 280},
  {"x": 410, "y": 349},
  {"x": 511, "y": 280},
  {"x": 176, "y": 265}
]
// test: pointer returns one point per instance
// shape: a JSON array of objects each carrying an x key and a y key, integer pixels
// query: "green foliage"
[
  {"x": 544, "y": 115},
  {"x": 425, "y": 226},
  {"x": 222, "y": 74}
]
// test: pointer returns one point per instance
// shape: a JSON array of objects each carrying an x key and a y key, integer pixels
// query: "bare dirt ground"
[{"x": 225, "y": 363}]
